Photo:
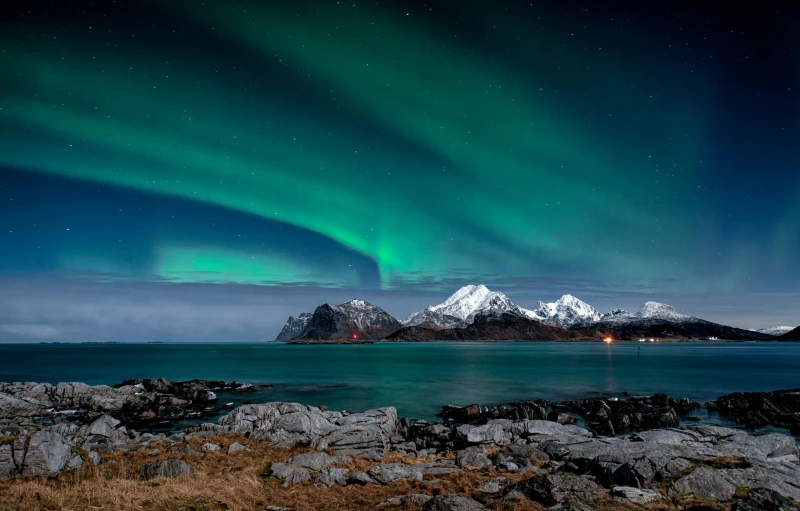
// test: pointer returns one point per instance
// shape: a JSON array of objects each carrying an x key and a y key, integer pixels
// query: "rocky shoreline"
[{"x": 516, "y": 454}]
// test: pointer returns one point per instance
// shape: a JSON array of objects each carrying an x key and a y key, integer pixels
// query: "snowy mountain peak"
[
  {"x": 355, "y": 302},
  {"x": 461, "y": 307},
  {"x": 566, "y": 311},
  {"x": 656, "y": 310},
  {"x": 466, "y": 298}
]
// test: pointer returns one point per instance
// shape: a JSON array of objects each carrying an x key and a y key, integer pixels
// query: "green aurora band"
[{"x": 419, "y": 149}]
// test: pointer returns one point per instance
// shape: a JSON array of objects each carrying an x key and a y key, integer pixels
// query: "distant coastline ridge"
[{"x": 476, "y": 313}]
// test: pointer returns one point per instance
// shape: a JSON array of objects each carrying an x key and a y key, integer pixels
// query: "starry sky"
[{"x": 171, "y": 168}]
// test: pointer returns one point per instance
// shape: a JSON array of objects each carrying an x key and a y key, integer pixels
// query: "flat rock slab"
[
  {"x": 551, "y": 489},
  {"x": 167, "y": 468},
  {"x": 635, "y": 495}
]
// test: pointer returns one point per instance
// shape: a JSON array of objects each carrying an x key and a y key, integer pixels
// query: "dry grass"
[{"x": 116, "y": 485}]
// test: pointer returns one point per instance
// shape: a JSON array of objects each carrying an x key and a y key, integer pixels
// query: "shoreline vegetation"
[{"x": 73, "y": 446}]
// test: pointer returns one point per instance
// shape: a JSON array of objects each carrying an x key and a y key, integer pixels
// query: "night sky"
[{"x": 180, "y": 170}]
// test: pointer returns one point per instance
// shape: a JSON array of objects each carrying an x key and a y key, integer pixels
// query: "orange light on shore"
[{"x": 608, "y": 340}]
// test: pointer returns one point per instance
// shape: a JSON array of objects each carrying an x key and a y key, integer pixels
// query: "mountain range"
[{"x": 476, "y": 313}]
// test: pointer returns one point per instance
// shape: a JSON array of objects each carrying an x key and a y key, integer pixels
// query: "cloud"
[{"x": 40, "y": 331}]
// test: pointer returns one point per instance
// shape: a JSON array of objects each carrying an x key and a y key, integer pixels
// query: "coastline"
[{"x": 58, "y": 439}]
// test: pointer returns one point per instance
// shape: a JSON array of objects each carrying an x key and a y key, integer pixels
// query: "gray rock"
[
  {"x": 418, "y": 499},
  {"x": 763, "y": 499},
  {"x": 297, "y": 475},
  {"x": 551, "y": 489},
  {"x": 167, "y": 468},
  {"x": 720, "y": 484},
  {"x": 94, "y": 457},
  {"x": 75, "y": 462},
  {"x": 522, "y": 455},
  {"x": 360, "y": 478},
  {"x": 209, "y": 447},
  {"x": 472, "y": 457},
  {"x": 13, "y": 407},
  {"x": 385, "y": 474},
  {"x": 495, "y": 485},
  {"x": 104, "y": 426},
  {"x": 331, "y": 476},
  {"x": 281, "y": 470},
  {"x": 367, "y": 441},
  {"x": 47, "y": 454},
  {"x": 571, "y": 505},
  {"x": 634, "y": 495},
  {"x": 288, "y": 424},
  {"x": 235, "y": 447},
  {"x": 453, "y": 502},
  {"x": 316, "y": 461},
  {"x": 496, "y": 431}
]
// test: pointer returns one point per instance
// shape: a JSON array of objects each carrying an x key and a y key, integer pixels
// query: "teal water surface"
[{"x": 418, "y": 378}]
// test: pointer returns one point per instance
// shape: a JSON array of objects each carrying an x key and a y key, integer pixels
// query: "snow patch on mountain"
[
  {"x": 649, "y": 313},
  {"x": 776, "y": 330},
  {"x": 294, "y": 326}
]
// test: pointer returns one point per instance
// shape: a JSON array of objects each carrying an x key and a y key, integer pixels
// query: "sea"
[{"x": 418, "y": 378}]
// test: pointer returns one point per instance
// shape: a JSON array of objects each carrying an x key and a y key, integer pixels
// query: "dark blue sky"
[{"x": 178, "y": 170}]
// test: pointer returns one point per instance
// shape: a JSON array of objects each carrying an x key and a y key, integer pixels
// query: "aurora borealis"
[{"x": 393, "y": 149}]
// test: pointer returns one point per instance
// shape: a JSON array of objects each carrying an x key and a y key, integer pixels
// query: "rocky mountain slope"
[
  {"x": 496, "y": 326},
  {"x": 793, "y": 335},
  {"x": 294, "y": 326},
  {"x": 355, "y": 320},
  {"x": 777, "y": 331}
]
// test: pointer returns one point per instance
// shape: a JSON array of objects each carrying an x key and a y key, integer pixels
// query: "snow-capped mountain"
[
  {"x": 294, "y": 326},
  {"x": 353, "y": 320},
  {"x": 648, "y": 314},
  {"x": 776, "y": 330},
  {"x": 461, "y": 307},
  {"x": 567, "y": 311}
]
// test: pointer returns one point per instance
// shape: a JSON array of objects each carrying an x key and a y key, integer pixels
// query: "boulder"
[
  {"x": 317, "y": 461},
  {"x": 331, "y": 476},
  {"x": 522, "y": 455},
  {"x": 385, "y": 474},
  {"x": 360, "y": 478},
  {"x": 472, "y": 457},
  {"x": 453, "y": 502},
  {"x": 209, "y": 447},
  {"x": 235, "y": 447},
  {"x": 496, "y": 431},
  {"x": 551, "y": 489},
  {"x": 763, "y": 499},
  {"x": 634, "y": 495},
  {"x": 561, "y": 418},
  {"x": 167, "y": 468},
  {"x": 47, "y": 454},
  {"x": 495, "y": 485}
]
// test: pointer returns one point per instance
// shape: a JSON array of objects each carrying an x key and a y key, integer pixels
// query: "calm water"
[{"x": 418, "y": 378}]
